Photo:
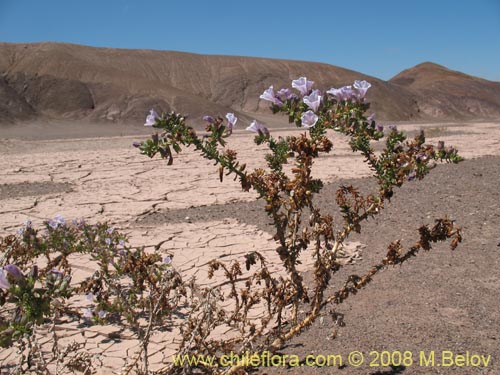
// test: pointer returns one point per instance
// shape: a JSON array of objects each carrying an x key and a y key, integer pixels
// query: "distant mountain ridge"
[{"x": 67, "y": 81}]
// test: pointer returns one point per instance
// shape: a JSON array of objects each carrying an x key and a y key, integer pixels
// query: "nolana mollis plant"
[
  {"x": 131, "y": 289},
  {"x": 139, "y": 292},
  {"x": 302, "y": 229}
]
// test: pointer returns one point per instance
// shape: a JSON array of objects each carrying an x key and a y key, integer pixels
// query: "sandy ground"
[{"x": 195, "y": 218}]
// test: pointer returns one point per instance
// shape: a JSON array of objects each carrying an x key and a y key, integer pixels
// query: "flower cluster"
[
  {"x": 288, "y": 195},
  {"x": 312, "y": 102},
  {"x": 139, "y": 290}
]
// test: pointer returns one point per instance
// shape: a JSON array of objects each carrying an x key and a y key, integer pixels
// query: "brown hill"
[
  {"x": 102, "y": 84},
  {"x": 447, "y": 93}
]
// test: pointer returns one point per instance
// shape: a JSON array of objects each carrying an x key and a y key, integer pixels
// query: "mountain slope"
[
  {"x": 446, "y": 93},
  {"x": 103, "y": 84}
]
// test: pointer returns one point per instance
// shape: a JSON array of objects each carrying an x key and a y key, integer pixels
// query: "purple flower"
[
  {"x": 349, "y": 93},
  {"x": 421, "y": 157},
  {"x": 108, "y": 241},
  {"x": 335, "y": 92},
  {"x": 57, "y": 273},
  {"x": 110, "y": 230},
  {"x": 88, "y": 313},
  {"x": 371, "y": 117},
  {"x": 380, "y": 128},
  {"x": 137, "y": 144},
  {"x": 270, "y": 97},
  {"x": 231, "y": 121},
  {"x": 4, "y": 283},
  {"x": 412, "y": 176},
  {"x": 344, "y": 93},
  {"x": 362, "y": 87},
  {"x": 309, "y": 119},
  {"x": 313, "y": 100},
  {"x": 167, "y": 260},
  {"x": 303, "y": 85},
  {"x": 122, "y": 242},
  {"x": 393, "y": 128},
  {"x": 78, "y": 223},
  {"x": 285, "y": 94},
  {"x": 14, "y": 271},
  {"x": 151, "y": 119},
  {"x": 257, "y": 127},
  {"x": 59, "y": 219},
  {"x": 208, "y": 119},
  {"x": 102, "y": 314},
  {"x": 27, "y": 225},
  {"x": 89, "y": 297}
]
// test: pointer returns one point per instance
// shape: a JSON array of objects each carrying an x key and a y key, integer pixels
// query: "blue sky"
[{"x": 377, "y": 37}]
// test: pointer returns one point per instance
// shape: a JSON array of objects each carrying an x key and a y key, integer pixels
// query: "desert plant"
[
  {"x": 302, "y": 229},
  {"x": 139, "y": 291},
  {"x": 129, "y": 288}
]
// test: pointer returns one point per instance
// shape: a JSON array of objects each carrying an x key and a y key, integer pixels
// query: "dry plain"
[{"x": 184, "y": 211}]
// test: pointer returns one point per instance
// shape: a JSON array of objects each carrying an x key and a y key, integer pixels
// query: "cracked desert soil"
[{"x": 440, "y": 300}]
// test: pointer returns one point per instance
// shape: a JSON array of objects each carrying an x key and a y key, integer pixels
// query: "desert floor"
[{"x": 440, "y": 300}]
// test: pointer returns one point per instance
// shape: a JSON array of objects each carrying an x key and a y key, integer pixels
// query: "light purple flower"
[
  {"x": 108, "y": 241},
  {"x": 4, "y": 283},
  {"x": 380, "y": 128},
  {"x": 151, "y": 119},
  {"x": 57, "y": 273},
  {"x": 313, "y": 100},
  {"x": 167, "y": 260},
  {"x": 89, "y": 297},
  {"x": 88, "y": 313},
  {"x": 285, "y": 94},
  {"x": 231, "y": 121},
  {"x": 371, "y": 117},
  {"x": 271, "y": 97},
  {"x": 14, "y": 271},
  {"x": 303, "y": 85},
  {"x": 78, "y": 223},
  {"x": 122, "y": 242},
  {"x": 412, "y": 176},
  {"x": 348, "y": 93},
  {"x": 393, "y": 128},
  {"x": 256, "y": 127},
  {"x": 344, "y": 93},
  {"x": 102, "y": 314},
  {"x": 27, "y": 225},
  {"x": 362, "y": 87},
  {"x": 137, "y": 144},
  {"x": 53, "y": 224},
  {"x": 208, "y": 119},
  {"x": 335, "y": 92},
  {"x": 421, "y": 157},
  {"x": 309, "y": 119},
  {"x": 59, "y": 219},
  {"x": 110, "y": 230}
]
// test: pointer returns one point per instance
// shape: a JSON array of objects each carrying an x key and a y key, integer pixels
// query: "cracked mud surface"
[{"x": 438, "y": 301}]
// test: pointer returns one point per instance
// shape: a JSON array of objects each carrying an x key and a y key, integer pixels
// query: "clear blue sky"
[{"x": 376, "y": 37}]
